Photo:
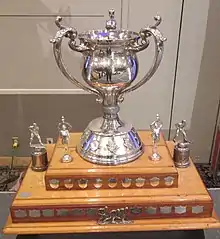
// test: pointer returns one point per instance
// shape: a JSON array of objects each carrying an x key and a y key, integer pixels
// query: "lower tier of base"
[{"x": 92, "y": 226}]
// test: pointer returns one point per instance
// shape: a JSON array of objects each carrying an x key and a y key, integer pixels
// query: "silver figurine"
[
  {"x": 39, "y": 153},
  {"x": 110, "y": 70},
  {"x": 64, "y": 133},
  {"x": 181, "y": 148},
  {"x": 180, "y": 129},
  {"x": 156, "y": 127},
  {"x": 34, "y": 129}
]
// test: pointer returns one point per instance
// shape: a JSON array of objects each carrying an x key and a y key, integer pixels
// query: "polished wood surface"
[
  {"x": 35, "y": 180},
  {"x": 92, "y": 226},
  {"x": 33, "y": 195},
  {"x": 142, "y": 167},
  {"x": 28, "y": 198}
]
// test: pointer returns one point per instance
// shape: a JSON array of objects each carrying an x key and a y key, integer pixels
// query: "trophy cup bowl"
[{"x": 110, "y": 68}]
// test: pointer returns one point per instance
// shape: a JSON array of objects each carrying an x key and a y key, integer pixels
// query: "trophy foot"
[
  {"x": 155, "y": 157},
  {"x": 66, "y": 158},
  {"x": 107, "y": 147}
]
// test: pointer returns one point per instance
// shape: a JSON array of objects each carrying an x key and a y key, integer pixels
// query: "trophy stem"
[{"x": 111, "y": 121}]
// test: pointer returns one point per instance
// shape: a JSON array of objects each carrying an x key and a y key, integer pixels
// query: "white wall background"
[{"x": 28, "y": 66}]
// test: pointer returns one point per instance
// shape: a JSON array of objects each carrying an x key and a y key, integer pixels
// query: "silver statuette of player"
[
  {"x": 64, "y": 133},
  {"x": 156, "y": 127},
  {"x": 181, "y": 148},
  {"x": 39, "y": 152}
]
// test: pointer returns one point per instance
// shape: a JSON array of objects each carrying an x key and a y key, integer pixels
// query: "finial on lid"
[{"x": 111, "y": 23}]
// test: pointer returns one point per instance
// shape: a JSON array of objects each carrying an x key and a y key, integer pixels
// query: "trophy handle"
[
  {"x": 57, "y": 42},
  {"x": 159, "y": 47}
]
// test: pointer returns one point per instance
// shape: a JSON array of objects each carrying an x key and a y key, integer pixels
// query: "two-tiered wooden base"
[{"x": 69, "y": 197}]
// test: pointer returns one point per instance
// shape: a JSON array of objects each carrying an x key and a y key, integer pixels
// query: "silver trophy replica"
[
  {"x": 110, "y": 68},
  {"x": 64, "y": 128},
  {"x": 39, "y": 153},
  {"x": 156, "y": 127},
  {"x": 181, "y": 149}
]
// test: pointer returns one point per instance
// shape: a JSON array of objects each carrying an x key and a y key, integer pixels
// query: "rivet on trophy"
[
  {"x": 64, "y": 133},
  {"x": 181, "y": 149},
  {"x": 39, "y": 154},
  {"x": 156, "y": 127}
]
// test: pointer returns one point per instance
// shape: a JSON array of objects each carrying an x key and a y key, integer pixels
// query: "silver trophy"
[
  {"x": 64, "y": 128},
  {"x": 39, "y": 153},
  {"x": 156, "y": 127},
  {"x": 181, "y": 149},
  {"x": 110, "y": 68}
]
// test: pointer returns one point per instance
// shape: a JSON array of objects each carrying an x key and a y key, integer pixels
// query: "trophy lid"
[{"x": 109, "y": 35}]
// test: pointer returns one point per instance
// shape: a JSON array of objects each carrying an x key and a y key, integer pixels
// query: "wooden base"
[
  {"x": 91, "y": 226},
  {"x": 33, "y": 203},
  {"x": 142, "y": 173},
  {"x": 37, "y": 210}
]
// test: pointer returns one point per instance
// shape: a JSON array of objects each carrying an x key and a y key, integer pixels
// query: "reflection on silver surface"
[
  {"x": 94, "y": 145},
  {"x": 20, "y": 213},
  {"x": 166, "y": 209},
  {"x": 110, "y": 67},
  {"x": 54, "y": 183},
  {"x": 98, "y": 183},
  {"x": 48, "y": 212},
  {"x": 83, "y": 183},
  {"x": 154, "y": 182},
  {"x": 112, "y": 182},
  {"x": 139, "y": 182},
  {"x": 197, "y": 209},
  {"x": 180, "y": 209},
  {"x": 151, "y": 210},
  {"x": 169, "y": 181},
  {"x": 34, "y": 213},
  {"x": 68, "y": 183},
  {"x": 126, "y": 182}
]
